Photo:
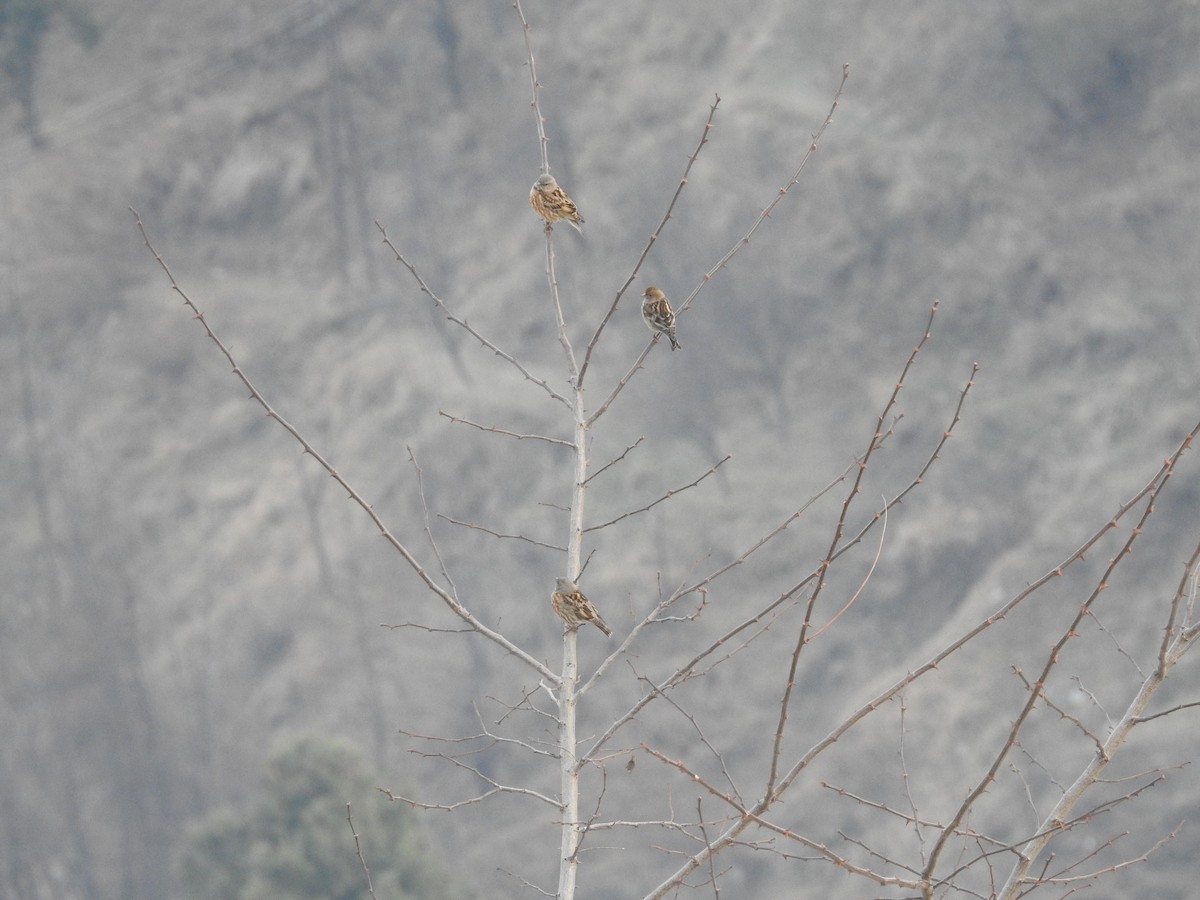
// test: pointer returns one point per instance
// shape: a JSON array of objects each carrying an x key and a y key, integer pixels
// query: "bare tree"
[{"x": 974, "y": 844}]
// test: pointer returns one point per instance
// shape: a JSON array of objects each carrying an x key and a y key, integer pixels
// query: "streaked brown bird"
[
  {"x": 658, "y": 315},
  {"x": 574, "y": 608},
  {"x": 551, "y": 202}
]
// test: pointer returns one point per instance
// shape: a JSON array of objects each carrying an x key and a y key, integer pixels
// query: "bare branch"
[
  {"x": 1138, "y": 720},
  {"x": 462, "y": 323},
  {"x": 494, "y": 430},
  {"x": 449, "y": 600},
  {"x": 358, "y": 850},
  {"x": 428, "y": 530},
  {"x": 586, "y": 827},
  {"x": 497, "y": 534},
  {"x": 1063, "y": 714},
  {"x": 754, "y": 815},
  {"x": 930, "y": 665},
  {"x": 613, "y": 462},
  {"x": 770, "y": 208},
  {"x": 909, "y": 818},
  {"x": 774, "y": 533},
  {"x": 915, "y": 818},
  {"x": 1054, "y": 828},
  {"x": 700, "y": 587},
  {"x": 535, "y": 87},
  {"x": 587, "y": 358},
  {"x": 563, "y": 340},
  {"x": 729, "y": 255},
  {"x": 427, "y": 628},
  {"x": 1095, "y": 617},
  {"x": 686, "y": 671},
  {"x": 699, "y": 733},
  {"x": 666, "y": 824},
  {"x": 526, "y": 884},
  {"x": 1115, "y": 867},
  {"x": 831, "y": 554},
  {"x": 1185, "y": 594},
  {"x": 712, "y": 874},
  {"x": 480, "y": 743},
  {"x": 1104, "y": 752},
  {"x": 526, "y": 703},
  {"x": 667, "y": 496},
  {"x": 863, "y": 584},
  {"x": 1137, "y": 706},
  {"x": 445, "y": 807},
  {"x": 1037, "y": 763},
  {"x": 497, "y": 788},
  {"x": 1096, "y": 700}
]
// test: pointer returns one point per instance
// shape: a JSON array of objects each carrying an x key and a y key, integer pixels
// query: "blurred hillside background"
[{"x": 183, "y": 593}]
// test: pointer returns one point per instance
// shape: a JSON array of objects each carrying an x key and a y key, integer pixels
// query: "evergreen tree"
[{"x": 294, "y": 842}]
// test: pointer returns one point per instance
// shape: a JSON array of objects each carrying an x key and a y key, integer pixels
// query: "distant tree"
[
  {"x": 293, "y": 841},
  {"x": 23, "y": 26}
]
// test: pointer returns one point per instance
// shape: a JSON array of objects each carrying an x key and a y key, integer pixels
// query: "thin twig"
[
  {"x": 358, "y": 850},
  {"x": 699, "y": 733},
  {"x": 667, "y": 496},
  {"x": 525, "y": 883},
  {"x": 462, "y": 323},
  {"x": 862, "y": 585},
  {"x": 904, "y": 816},
  {"x": 535, "y": 88},
  {"x": 494, "y": 430},
  {"x": 1096, "y": 742},
  {"x": 613, "y": 462},
  {"x": 497, "y": 788},
  {"x": 560, "y": 320},
  {"x": 497, "y": 534},
  {"x": 712, "y": 874},
  {"x": 1166, "y": 712},
  {"x": 1115, "y": 867},
  {"x": 1185, "y": 594},
  {"x": 915, "y": 818},
  {"x": 428, "y": 530}
]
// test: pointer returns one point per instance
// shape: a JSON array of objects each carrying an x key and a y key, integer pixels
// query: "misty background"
[{"x": 183, "y": 592}]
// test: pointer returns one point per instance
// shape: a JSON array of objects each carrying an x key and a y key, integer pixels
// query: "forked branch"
[
  {"x": 637, "y": 266},
  {"x": 732, "y": 252},
  {"x": 839, "y": 529}
]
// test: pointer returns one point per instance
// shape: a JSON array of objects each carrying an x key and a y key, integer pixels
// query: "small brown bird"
[
  {"x": 658, "y": 315},
  {"x": 574, "y": 608},
  {"x": 552, "y": 203}
]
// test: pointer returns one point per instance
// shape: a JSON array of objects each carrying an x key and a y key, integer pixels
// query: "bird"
[
  {"x": 551, "y": 202},
  {"x": 574, "y": 608},
  {"x": 658, "y": 315}
]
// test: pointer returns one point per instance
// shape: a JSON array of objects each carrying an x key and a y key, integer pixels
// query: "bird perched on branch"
[
  {"x": 551, "y": 202},
  {"x": 658, "y": 315},
  {"x": 574, "y": 608}
]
